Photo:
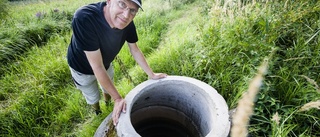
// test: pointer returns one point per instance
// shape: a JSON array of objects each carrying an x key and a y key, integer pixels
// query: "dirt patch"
[{"x": 111, "y": 131}]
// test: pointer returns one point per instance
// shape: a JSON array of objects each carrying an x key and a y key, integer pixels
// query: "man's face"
[{"x": 121, "y": 12}]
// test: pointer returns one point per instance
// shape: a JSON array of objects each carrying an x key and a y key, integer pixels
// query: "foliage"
[
  {"x": 299, "y": 48},
  {"x": 296, "y": 39},
  {"x": 219, "y": 42},
  {"x": 244, "y": 34},
  {"x": 150, "y": 31},
  {"x": 19, "y": 39},
  {"x": 177, "y": 4},
  {"x": 3, "y": 9},
  {"x": 46, "y": 103}
]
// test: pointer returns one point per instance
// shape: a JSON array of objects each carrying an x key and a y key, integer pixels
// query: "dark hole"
[{"x": 164, "y": 127}]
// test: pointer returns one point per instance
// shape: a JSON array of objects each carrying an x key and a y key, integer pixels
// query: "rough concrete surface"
[{"x": 194, "y": 105}]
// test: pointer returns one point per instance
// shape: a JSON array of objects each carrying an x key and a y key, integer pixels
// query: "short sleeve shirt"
[{"x": 91, "y": 32}]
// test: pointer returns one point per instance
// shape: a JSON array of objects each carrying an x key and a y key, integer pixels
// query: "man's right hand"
[{"x": 119, "y": 106}]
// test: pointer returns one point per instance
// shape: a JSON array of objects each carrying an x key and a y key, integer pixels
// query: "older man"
[{"x": 99, "y": 32}]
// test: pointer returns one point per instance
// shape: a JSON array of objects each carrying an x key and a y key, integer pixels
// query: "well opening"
[
  {"x": 172, "y": 109},
  {"x": 175, "y": 106}
]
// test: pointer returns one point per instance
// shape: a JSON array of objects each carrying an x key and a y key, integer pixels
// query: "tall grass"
[
  {"x": 37, "y": 94},
  {"x": 249, "y": 30},
  {"x": 31, "y": 23},
  {"x": 150, "y": 29},
  {"x": 36, "y": 89},
  {"x": 219, "y": 42},
  {"x": 3, "y": 9},
  {"x": 245, "y": 105}
]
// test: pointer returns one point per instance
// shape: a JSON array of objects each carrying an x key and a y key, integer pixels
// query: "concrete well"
[{"x": 175, "y": 106}]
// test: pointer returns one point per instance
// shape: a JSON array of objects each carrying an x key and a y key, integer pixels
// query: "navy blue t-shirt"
[{"x": 91, "y": 32}]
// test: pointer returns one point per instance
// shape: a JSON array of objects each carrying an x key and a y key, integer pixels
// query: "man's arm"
[
  {"x": 140, "y": 59},
  {"x": 95, "y": 60},
  {"x": 96, "y": 63}
]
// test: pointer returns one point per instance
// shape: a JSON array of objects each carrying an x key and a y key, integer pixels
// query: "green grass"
[
  {"x": 151, "y": 25},
  {"x": 216, "y": 42},
  {"x": 32, "y": 24}
]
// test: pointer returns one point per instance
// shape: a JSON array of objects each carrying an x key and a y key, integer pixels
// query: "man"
[{"x": 99, "y": 32}]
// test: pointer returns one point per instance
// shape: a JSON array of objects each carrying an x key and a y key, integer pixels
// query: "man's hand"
[
  {"x": 158, "y": 76},
  {"x": 119, "y": 106}
]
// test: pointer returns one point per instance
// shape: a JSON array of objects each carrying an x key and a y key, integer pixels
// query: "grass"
[
  {"x": 245, "y": 105},
  {"x": 150, "y": 32},
  {"x": 219, "y": 42}
]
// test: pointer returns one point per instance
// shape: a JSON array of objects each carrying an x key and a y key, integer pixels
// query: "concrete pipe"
[{"x": 175, "y": 106}]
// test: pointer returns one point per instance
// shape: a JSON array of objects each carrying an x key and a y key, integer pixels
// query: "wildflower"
[
  {"x": 276, "y": 118},
  {"x": 39, "y": 14}
]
